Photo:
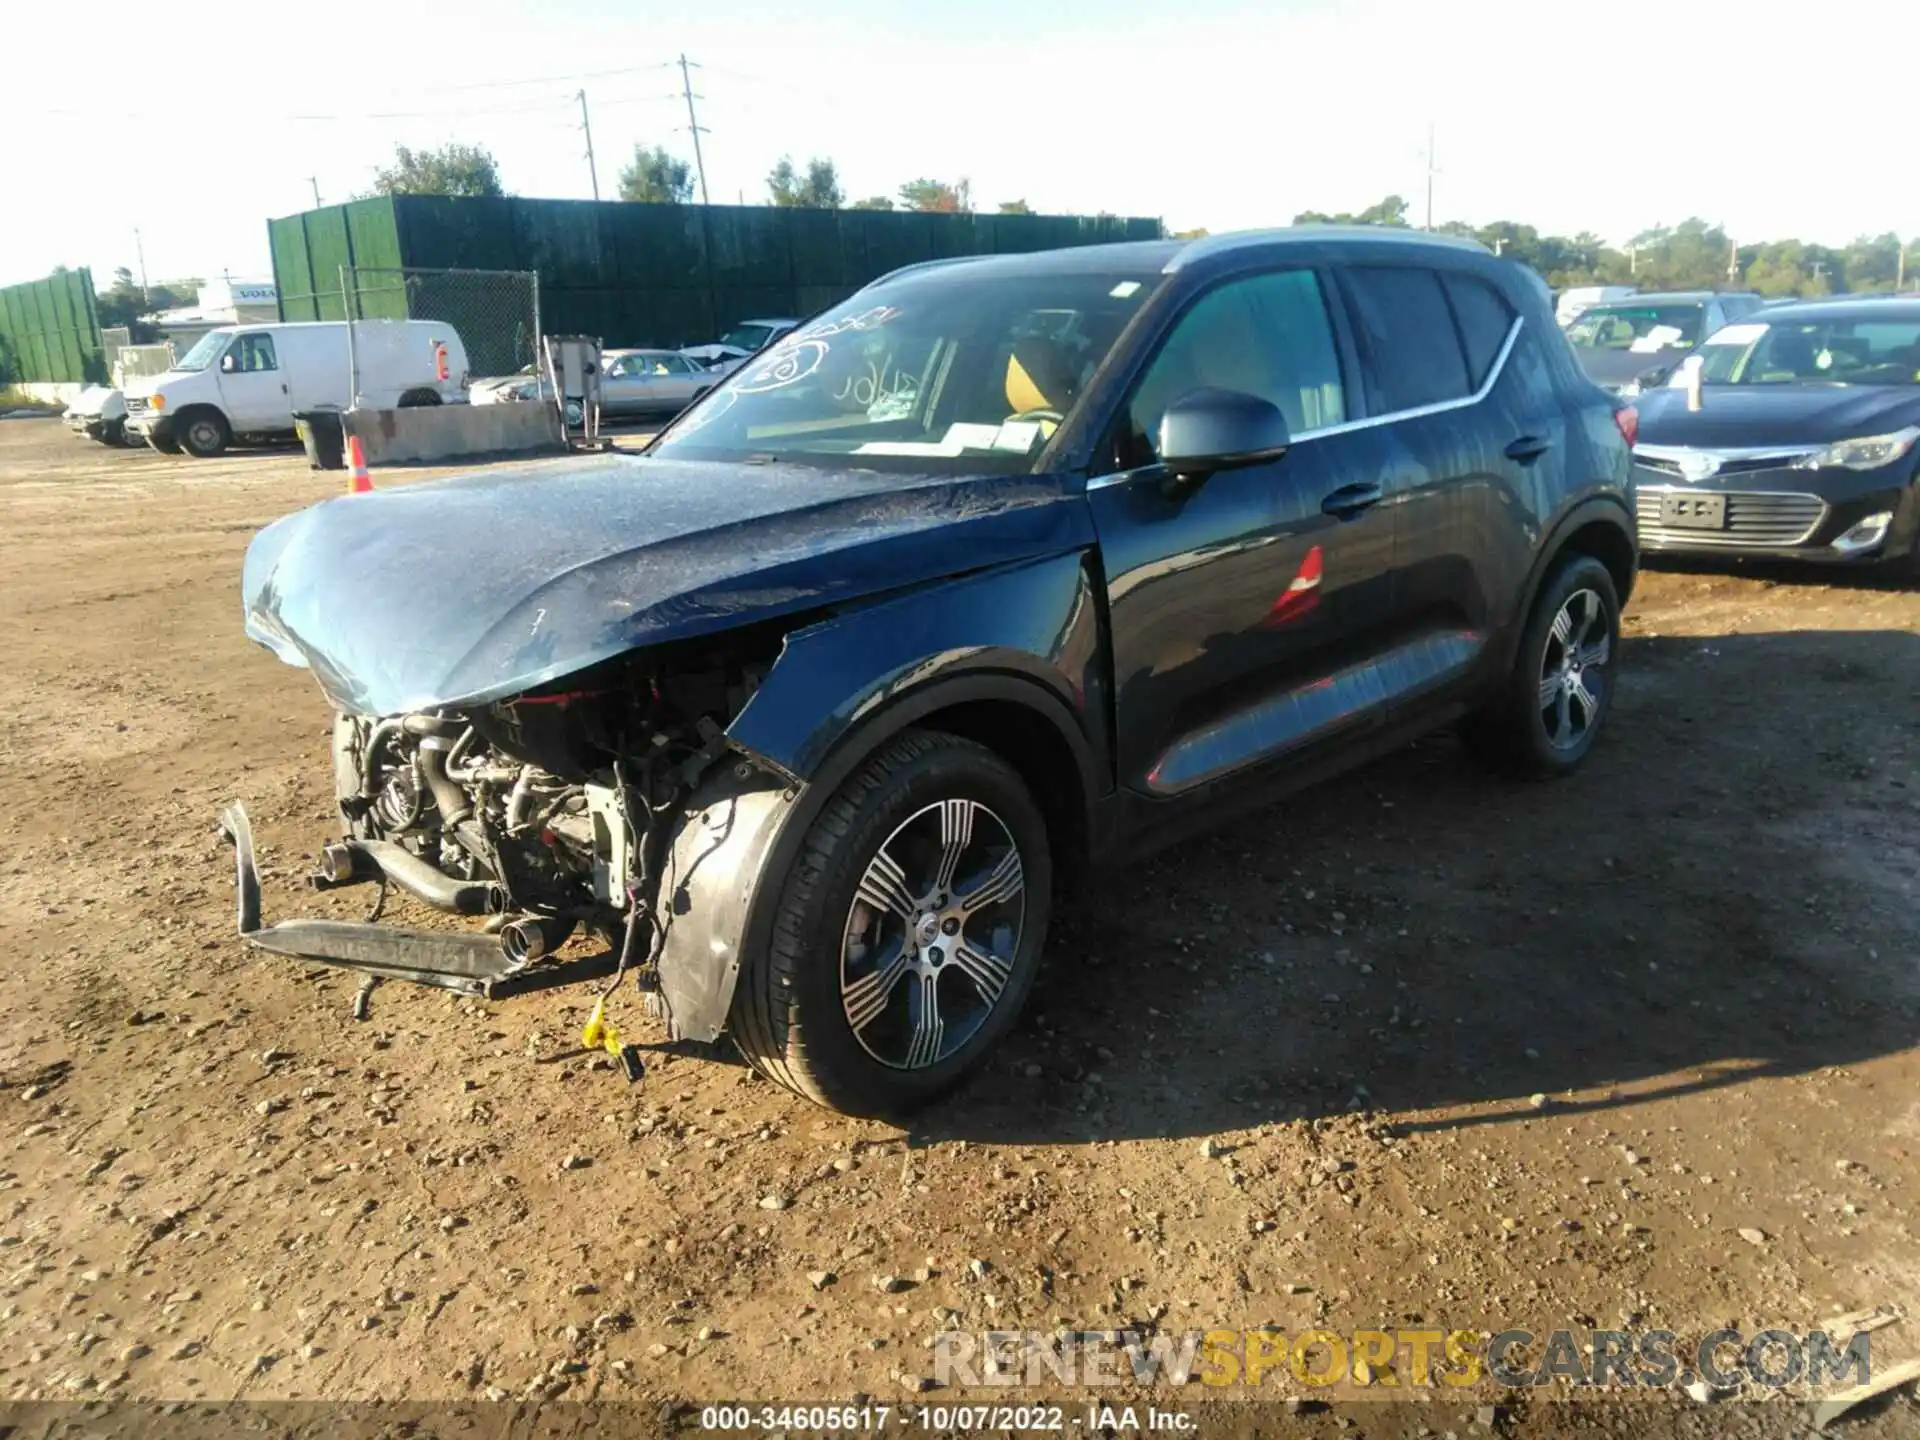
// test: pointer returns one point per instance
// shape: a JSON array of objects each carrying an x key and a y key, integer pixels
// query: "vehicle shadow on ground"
[
  {"x": 1726, "y": 890},
  {"x": 1891, "y": 576}
]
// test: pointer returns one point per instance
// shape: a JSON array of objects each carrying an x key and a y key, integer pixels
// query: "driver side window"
[{"x": 1266, "y": 335}]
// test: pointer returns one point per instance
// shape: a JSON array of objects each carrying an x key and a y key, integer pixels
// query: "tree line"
[
  {"x": 653, "y": 175},
  {"x": 1692, "y": 255}
]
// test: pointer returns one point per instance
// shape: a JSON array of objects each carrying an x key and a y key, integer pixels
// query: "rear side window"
[
  {"x": 1267, "y": 335},
  {"x": 1407, "y": 337},
  {"x": 1485, "y": 319}
]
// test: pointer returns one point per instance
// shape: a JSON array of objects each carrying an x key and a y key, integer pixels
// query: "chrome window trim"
[{"x": 1367, "y": 422}]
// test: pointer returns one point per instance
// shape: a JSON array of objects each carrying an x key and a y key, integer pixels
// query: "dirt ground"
[{"x": 1418, "y": 1048}]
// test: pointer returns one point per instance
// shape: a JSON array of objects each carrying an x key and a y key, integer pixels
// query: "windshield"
[
  {"x": 940, "y": 371},
  {"x": 747, "y": 337},
  {"x": 1814, "y": 352},
  {"x": 205, "y": 351},
  {"x": 1641, "y": 328}
]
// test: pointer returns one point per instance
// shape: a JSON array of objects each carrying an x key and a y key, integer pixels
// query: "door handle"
[
  {"x": 1350, "y": 500},
  {"x": 1529, "y": 448}
]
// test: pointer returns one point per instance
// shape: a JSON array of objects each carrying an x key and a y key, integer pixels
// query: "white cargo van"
[{"x": 251, "y": 380}]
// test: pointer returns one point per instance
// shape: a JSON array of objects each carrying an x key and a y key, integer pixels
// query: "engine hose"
[
  {"x": 379, "y": 736},
  {"x": 436, "y": 887},
  {"x": 448, "y": 798}
]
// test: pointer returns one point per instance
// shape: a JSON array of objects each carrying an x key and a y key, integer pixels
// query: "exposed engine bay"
[
  {"x": 541, "y": 807},
  {"x": 547, "y": 813}
]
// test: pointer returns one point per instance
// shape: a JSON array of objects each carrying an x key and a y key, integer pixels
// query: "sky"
[{"x": 1204, "y": 113}]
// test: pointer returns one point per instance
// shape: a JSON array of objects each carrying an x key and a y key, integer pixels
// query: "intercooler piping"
[
  {"x": 350, "y": 861},
  {"x": 448, "y": 797}
]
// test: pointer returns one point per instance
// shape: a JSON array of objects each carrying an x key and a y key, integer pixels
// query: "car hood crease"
[{"x": 465, "y": 591}]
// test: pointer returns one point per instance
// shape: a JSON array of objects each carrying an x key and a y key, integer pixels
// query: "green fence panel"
[
  {"x": 561, "y": 240},
  {"x": 649, "y": 274},
  {"x": 461, "y": 234},
  {"x": 814, "y": 245},
  {"x": 657, "y": 246},
  {"x": 328, "y": 247},
  {"x": 373, "y": 234},
  {"x": 50, "y": 331}
]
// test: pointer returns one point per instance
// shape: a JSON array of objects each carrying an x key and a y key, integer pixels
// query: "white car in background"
[{"x": 744, "y": 339}]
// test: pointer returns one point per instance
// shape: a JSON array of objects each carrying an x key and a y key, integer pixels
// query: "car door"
[
  {"x": 1235, "y": 606},
  {"x": 1465, "y": 449},
  {"x": 253, "y": 389},
  {"x": 682, "y": 381}
]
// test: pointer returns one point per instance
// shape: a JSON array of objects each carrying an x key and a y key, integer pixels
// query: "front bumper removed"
[{"x": 468, "y": 964}]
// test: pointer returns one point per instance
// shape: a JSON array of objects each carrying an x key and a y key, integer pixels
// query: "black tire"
[
  {"x": 790, "y": 1016},
  {"x": 114, "y": 433},
  {"x": 165, "y": 444},
  {"x": 204, "y": 433},
  {"x": 1514, "y": 733},
  {"x": 419, "y": 399}
]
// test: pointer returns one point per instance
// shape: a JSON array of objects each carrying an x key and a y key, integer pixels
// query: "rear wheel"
[
  {"x": 419, "y": 399},
  {"x": 204, "y": 433},
  {"x": 1561, "y": 688},
  {"x": 908, "y": 932}
]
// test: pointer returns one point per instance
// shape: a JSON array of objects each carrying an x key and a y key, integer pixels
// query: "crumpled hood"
[
  {"x": 468, "y": 590},
  {"x": 1617, "y": 367},
  {"x": 1776, "y": 414}
]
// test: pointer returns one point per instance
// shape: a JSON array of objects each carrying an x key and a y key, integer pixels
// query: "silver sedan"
[{"x": 655, "y": 383}]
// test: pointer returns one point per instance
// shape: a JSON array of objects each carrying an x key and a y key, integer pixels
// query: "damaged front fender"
[{"x": 1023, "y": 636}]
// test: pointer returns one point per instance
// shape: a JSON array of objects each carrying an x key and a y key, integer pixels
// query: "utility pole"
[
  {"x": 1733, "y": 261},
  {"x": 1430, "y": 174},
  {"x": 315, "y": 183},
  {"x": 1900, "y": 270},
  {"x": 140, "y": 251},
  {"x": 693, "y": 125},
  {"x": 593, "y": 171}
]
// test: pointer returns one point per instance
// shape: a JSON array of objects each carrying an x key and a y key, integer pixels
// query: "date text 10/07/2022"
[{"x": 843, "y": 1419}]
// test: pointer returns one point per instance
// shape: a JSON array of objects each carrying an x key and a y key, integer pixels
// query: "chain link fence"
[{"x": 496, "y": 312}]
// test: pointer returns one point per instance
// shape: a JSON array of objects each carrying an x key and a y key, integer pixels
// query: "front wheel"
[
  {"x": 1561, "y": 688},
  {"x": 908, "y": 933},
  {"x": 204, "y": 434}
]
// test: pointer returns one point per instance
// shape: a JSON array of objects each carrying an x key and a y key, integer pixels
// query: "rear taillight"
[{"x": 1628, "y": 419}]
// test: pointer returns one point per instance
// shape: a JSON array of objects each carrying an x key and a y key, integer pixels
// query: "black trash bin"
[{"x": 324, "y": 437}]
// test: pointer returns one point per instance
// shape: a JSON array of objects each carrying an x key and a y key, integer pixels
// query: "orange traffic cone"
[{"x": 359, "y": 482}]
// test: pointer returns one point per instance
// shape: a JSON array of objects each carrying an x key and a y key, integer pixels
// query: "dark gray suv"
[{"x": 1002, "y": 569}]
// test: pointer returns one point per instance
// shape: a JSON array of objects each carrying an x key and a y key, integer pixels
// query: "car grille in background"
[
  {"x": 1754, "y": 517},
  {"x": 136, "y": 404},
  {"x": 1727, "y": 466}
]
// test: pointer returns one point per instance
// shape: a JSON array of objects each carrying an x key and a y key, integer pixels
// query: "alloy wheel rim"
[
  {"x": 928, "y": 951},
  {"x": 1573, "y": 676},
  {"x": 204, "y": 434}
]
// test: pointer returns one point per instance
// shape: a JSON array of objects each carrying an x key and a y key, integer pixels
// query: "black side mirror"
[{"x": 1209, "y": 430}]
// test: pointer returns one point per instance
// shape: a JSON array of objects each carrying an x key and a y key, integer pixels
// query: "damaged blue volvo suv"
[{"x": 1003, "y": 569}]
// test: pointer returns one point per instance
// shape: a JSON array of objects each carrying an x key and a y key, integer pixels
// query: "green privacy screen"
[
  {"x": 650, "y": 274},
  {"x": 49, "y": 331}
]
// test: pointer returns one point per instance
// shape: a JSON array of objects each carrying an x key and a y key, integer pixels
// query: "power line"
[
  {"x": 549, "y": 79},
  {"x": 693, "y": 126}
]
